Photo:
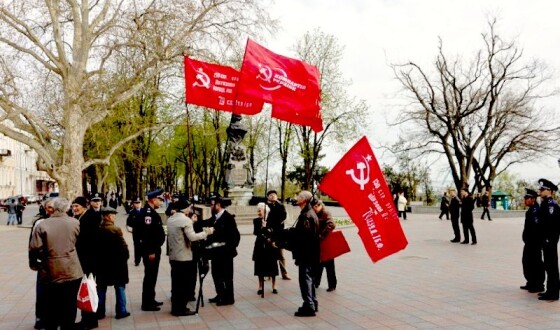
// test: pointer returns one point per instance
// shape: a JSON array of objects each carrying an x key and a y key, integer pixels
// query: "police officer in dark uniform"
[
  {"x": 549, "y": 217},
  {"x": 133, "y": 221},
  {"x": 533, "y": 266},
  {"x": 152, "y": 237}
]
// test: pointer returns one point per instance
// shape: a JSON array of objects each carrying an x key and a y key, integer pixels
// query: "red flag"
[
  {"x": 311, "y": 118},
  {"x": 279, "y": 80},
  {"x": 215, "y": 86},
  {"x": 357, "y": 183}
]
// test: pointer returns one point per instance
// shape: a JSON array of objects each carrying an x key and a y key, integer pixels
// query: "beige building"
[{"x": 18, "y": 171}]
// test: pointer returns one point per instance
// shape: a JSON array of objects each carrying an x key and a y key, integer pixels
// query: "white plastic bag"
[{"x": 87, "y": 294}]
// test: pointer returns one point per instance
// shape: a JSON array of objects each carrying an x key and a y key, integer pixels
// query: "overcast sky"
[{"x": 376, "y": 33}]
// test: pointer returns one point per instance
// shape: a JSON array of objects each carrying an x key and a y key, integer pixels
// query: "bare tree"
[
  {"x": 482, "y": 114},
  {"x": 61, "y": 68},
  {"x": 344, "y": 117}
]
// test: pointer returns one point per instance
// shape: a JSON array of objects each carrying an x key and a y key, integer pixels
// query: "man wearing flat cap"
[
  {"x": 548, "y": 215},
  {"x": 152, "y": 237},
  {"x": 533, "y": 266},
  {"x": 90, "y": 220}
]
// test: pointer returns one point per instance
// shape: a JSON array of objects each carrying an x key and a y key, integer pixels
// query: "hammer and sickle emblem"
[
  {"x": 363, "y": 177},
  {"x": 202, "y": 79},
  {"x": 265, "y": 73}
]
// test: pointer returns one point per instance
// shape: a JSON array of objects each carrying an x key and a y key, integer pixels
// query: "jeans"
[
  {"x": 12, "y": 219},
  {"x": 120, "y": 299},
  {"x": 306, "y": 279}
]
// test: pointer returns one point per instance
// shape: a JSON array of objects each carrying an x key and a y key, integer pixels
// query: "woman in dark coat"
[
  {"x": 112, "y": 264},
  {"x": 265, "y": 252}
]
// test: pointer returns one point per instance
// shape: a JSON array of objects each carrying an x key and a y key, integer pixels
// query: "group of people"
[
  {"x": 15, "y": 208},
  {"x": 71, "y": 240},
  {"x": 540, "y": 235},
  {"x": 462, "y": 207}
]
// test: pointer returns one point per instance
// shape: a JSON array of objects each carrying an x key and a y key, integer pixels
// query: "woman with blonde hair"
[{"x": 265, "y": 252}]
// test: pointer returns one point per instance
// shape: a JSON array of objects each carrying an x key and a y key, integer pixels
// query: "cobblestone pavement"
[{"x": 432, "y": 284}]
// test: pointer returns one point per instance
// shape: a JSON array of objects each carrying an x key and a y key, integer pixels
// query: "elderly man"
[
  {"x": 306, "y": 252},
  {"x": 60, "y": 271},
  {"x": 548, "y": 214},
  {"x": 326, "y": 226},
  {"x": 276, "y": 220},
  {"x": 180, "y": 235},
  {"x": 152, "y": 237}
]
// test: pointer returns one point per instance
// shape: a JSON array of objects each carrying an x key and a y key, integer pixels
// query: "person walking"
[
  {"x": 12, "y": 212},
  {"x": 180, "y": 236},
  {"x": 548, "y": 215},
  {"x": 326, "y": 226},
  {"x": 152, "y": 237},
  {"x": 402, "y": 205},
  {"x": 467, "y": 207},
  {"x": 444, "y": 206},
  {"x": 54, "y": 242},
  {"x": 112, "y": 268},
  {"x": 306, "y": 252},
  {"x": 265, "y": 252},
  {"x": 532, "y": 259},
  {"x": 485, "y": 202},
  {"x": 276, "y": 219}
]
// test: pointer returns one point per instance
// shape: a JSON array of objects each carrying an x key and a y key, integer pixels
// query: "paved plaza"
[{"x": 432, "y": 284}]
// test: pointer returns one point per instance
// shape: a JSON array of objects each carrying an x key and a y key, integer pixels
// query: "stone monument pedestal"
[{"x": 240, "y": 195}]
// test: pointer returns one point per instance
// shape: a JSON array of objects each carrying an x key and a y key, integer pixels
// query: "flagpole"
[{"x": 267, "y": 158}]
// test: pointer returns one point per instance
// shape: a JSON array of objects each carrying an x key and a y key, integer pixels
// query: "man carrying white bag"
[
  {"x": 88, "y": 301},
  {"x": 53, "y": 242}
]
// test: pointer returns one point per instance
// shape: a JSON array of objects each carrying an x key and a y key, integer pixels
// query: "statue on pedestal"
[{"x": 238, "y": 170}]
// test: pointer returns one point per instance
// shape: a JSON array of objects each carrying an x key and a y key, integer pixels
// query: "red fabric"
[
  {"x": 282, "y": 81},
  {"x": 333, "y": 245},
  {"x": 357, "y": 183},
  {"x": 215, "y": 86},
  {"x": 311, "y": 118}
]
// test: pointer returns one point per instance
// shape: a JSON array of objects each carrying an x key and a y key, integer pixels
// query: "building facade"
[{"x": 18, "y": 171}]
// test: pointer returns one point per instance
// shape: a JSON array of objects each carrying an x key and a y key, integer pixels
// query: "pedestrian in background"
[
  {"x": 444, "y": 206},
  {"x": 467, "y": 207},
  {"x": 326, "y": 226},
  {"x": 485, "y": 202},
  {"x": 133, "y": 221},
  {"x": 402, "y": 205},
  {"x": 455, "y": 211},
  {"x": 265, "y": 252},
  {"x": 276, "y": 219},
  {"x": 12, "y": 212}
]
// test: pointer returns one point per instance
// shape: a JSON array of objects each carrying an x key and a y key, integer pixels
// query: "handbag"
[
  {"x": 87, "y": 294},
  {"x": 333, "y": 246}
]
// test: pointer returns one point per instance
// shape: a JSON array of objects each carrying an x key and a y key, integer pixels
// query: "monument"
[{"x": 239, "y": 177}]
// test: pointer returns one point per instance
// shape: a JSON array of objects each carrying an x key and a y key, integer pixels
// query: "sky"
[{"x": 377, "y": 33}]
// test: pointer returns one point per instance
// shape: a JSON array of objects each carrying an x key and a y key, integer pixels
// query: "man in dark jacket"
[
  {"x": 467, "y": 207},
  {"x": 90, "y": 219},
  {"x": 485, "y": 202},
  {"x": 276, "y": 219},
  {"x": 152, "y": 237},
  {"x": 112, "y": 268},
  {"x": 548, "y": 215},
  {"x": 134, "y": 221},
  {"x": 454, "y": 210},
  {"x": 532, "y": 260},
  {"x": 226, "y": 238},
  {"x": 306, "y": 252}
]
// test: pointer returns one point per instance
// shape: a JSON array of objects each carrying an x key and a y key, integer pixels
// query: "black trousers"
[
  {"x": 331, "y": 274},
  {"x": 533, "y": 265},
  {"x": 61, "y": 308},
  {"x": 444, "y": 212},
  {"x": 222, "y": 274},
  {"x": 550, "y": 254},
  {"x": 485, "y": 210},
  {"x": 151, "y": 269},
  {"x": 137, "y": 250},
  {"x": 181, "y": 283},
  {"x": 469, "y": 227},
  {"x": 456, "y": 230}
]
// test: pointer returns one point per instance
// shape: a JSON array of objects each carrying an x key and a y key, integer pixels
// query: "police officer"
[
  {"x": 133, "y": 221},
  {"x": 152, "y": 237},
  {"x": 548, "y": 215},
  {"x": 533, "y": 266}
]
